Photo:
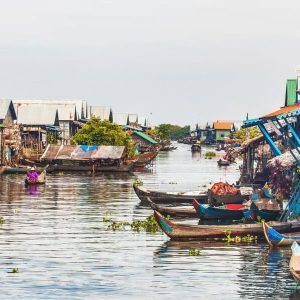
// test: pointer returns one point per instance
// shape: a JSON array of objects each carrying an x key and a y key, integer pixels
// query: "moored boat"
[
  {"x": 169, "y": 197},
  {"x": 212, "y": 213},
  {"x": 295, "y": 262},
  {"x": 276, "y": 239},
  {"x": 255, "y": 214},
  {"x": 223, "y": 162},
  {"x": 174, "y": 211},
  {"x": 206, "y": 232},
  {"x": 41, "y": 179},
  {"x": 196, "y": 148}
]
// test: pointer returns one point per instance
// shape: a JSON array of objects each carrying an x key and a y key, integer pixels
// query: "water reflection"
[{"x": 56, "y": 237}]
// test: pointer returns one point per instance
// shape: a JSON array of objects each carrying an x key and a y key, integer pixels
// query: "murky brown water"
[{"x": 56, "y": 237}]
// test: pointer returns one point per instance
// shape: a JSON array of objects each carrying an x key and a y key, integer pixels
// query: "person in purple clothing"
[{"x": 32, "y": 175}]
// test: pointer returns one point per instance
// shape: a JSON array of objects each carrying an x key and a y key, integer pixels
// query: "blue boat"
[
  {"x": 275, "y": 239},
  {"x": 210, "y": 213},
  {"x": 255, "y": 214}
]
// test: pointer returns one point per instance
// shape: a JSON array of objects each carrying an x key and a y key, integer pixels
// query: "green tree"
[
  {"x": 172, "y": 132},
  {"x": 246, "y": 133},
  {"x": 96, "y": 132}
]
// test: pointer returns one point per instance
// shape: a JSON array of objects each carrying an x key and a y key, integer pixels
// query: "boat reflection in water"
[{"x": 250, "y": 271}]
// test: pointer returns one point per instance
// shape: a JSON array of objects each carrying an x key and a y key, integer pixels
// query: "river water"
[{"x": 55, "y": 238}]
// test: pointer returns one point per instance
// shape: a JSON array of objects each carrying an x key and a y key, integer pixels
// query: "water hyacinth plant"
[{"x": 148, "y": 225}]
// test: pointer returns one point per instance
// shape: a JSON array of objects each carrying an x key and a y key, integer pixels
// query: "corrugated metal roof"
[
  {"x": 4, "y": 107},
  {"x": 142, "y": 121},
  {"x": 133, "y": 118},
  {"x": 145, "y": 137},
  {"x": 221, "y": 125},
  {"x": 100, "y": 111},
  {"x": 109, "y": 152},
  {"x": 36, "y": 114},
  {"x": 284, "y": 111},
  {"x": 120, "y": 118},
  {"x": 65, "y": 108},
  {"x": 82, "y": 152}
]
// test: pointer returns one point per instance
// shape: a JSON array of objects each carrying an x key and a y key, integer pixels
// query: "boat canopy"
[{"x": 82, "y": 152}]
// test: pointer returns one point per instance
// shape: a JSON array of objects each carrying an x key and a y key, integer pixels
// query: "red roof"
[
  {"x": 222, "y": 125},
  {"x": 283, "y": 110}
]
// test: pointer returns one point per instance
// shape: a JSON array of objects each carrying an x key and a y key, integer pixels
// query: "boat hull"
[
  {"x": 175, "y": 212},
  {"x": 275, "y": 239},
  {"x": 208, "y": 232},
  {"x": 216, "y": 200},
  {"x": 170, "y": 198},
  {"x": 212, "y": 213}
]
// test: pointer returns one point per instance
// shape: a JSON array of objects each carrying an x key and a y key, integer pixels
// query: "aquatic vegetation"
[
  {"x": 194, "y": 252},
  {"x": 138, "y": 182},
  {"x": 148, "y": 225},
  {"x": 210, "y": 154},
  {"x": 1, "y": 220},
  {"x": 14, "y": 270},
  {"x": 239, "y": 239}
]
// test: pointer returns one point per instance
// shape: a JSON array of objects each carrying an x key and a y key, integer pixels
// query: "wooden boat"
[
  {"x": 206, "y": 232},
  {"x": 174, "y": 211},
  {"x": 276, "y": 239},
  {"x": 295, "y": 262},
  {"x": 16, "y": 170},
  {"x": 212, "y": 213},
  {"x": 84, "y": 166},
  {"x": 144, "y": 159},
  {"x": 168, "y": 148},
  {"x": 255, "y": 214},
  {"x": 223, "y": 162},
  {"x": 217, "y": 200},
  {"x": 169, "y": 197},
  {"x": 196, "y": 148},
  {"x": 41, "y": 179}
]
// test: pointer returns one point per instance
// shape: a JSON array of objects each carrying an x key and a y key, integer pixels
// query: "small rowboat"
[
  {"x": 276, "y": 239},
  {"x": 223, "y": 162},
  {"x": 208, "y": 232},
  {"x": 295, "y": 262},
  {"x": 41, "y": 180},
  {"x": 174, "y": 211},
  {"x": 212, "y": 213}
]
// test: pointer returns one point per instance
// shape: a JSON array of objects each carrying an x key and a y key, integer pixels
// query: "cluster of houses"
[
  {"x": 32, "y": 124},
  {"x": 215, "y": 132}
]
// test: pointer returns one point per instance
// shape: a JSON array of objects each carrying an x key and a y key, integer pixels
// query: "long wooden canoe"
[
  {"x": 212, "y": 213},
  {"x": 174, "y": 211},
  {"x": 295, "y": 262},
  {"x": 276, "y": 239},
  {"x": 206, "y": 232},
  {"x": 169, "y": 197}
]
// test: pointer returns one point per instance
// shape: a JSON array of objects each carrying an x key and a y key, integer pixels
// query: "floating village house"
[
  {"x": 37, "y": 122},
  {"x": 144, "y": 142},
  {"x": 70, "y": 112},
  {"x": 8, "y": 131},
  {"x": 102, "y": 112},
  {"x": 223, "y": 130}
]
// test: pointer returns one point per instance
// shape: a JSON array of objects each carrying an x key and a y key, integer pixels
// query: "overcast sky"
[{"x": 181, "y": 61}]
